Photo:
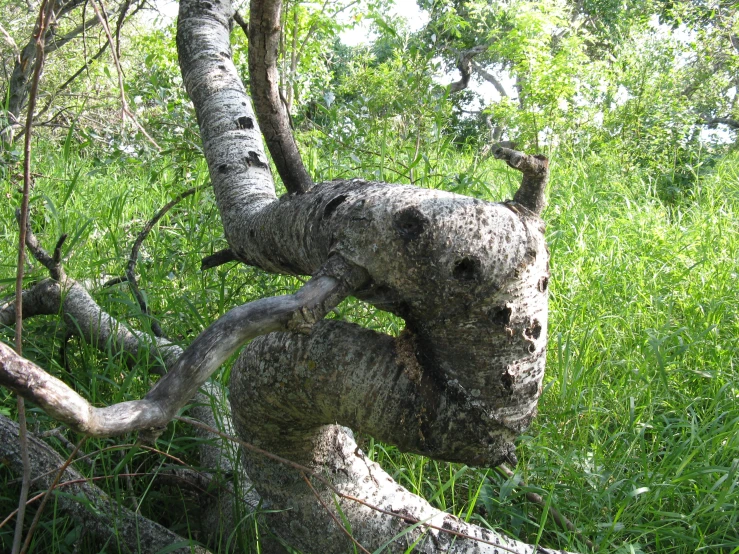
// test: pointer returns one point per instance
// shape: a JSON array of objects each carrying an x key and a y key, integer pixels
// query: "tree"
[
  {"x": 469, "y": 279},
  {"x": 62, "y": 31}
]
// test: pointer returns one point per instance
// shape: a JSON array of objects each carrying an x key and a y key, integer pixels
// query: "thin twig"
[
  {"x": 331, "y": 514},
  {"x": 119, "y": 23},
  {"x": 57, "y": 434},
  {"x": 69, "y": 81},
  {"x": 115, "y": 281},
  {"x": 124, "y": 103},
  {"x": 52, "y": 262},
  {"x": 59, "y": 474},
  {"x": 131, "y": 276},
  {"x": 558, "y": 517},
  {"x": 45, "y": 12}
]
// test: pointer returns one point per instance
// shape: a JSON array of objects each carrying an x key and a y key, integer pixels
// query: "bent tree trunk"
[{"x": 468, "y": 277}]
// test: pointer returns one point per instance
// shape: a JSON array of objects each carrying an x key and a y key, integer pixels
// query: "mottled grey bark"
[
  {"x": 381, "y": 514},
  {"x": 113, "y": 526},
  {"x": 197, "y": 362},
  {"x": 469, "y": 278}
]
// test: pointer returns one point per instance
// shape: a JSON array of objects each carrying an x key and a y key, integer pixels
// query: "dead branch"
[
  {"x": 131, "y": 275},
  {"x": 126, "y": 110},
  {"x": 206, "y": 353},
  {"x": 464, "y": 61}
]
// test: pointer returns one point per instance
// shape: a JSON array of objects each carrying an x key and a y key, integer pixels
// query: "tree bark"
[{"x": 470, "y": 279}]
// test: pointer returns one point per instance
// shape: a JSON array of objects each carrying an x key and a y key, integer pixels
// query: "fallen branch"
[{"x": 99, "y": 515}]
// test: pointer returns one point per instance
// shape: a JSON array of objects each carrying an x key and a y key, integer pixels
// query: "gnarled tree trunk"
[{"x": 468, "y": 277}]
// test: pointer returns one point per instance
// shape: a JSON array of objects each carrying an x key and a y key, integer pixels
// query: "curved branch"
[
  {"x": 535, "y": 171},
  {"x": 83, "y": 316},
  {"x": 207, "y": 352},
  {"x": 464, "y": 64}
]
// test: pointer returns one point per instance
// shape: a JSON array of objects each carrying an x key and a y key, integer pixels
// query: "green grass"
[{"x": 636, "y": 440}]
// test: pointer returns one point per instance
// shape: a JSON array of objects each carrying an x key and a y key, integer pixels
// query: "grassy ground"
[{"x": 636, "y": 440}]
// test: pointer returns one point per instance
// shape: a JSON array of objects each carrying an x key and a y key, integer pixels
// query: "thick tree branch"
[
  {"x": 212, "y": 347},
  {"x": 470, "y": 278}
]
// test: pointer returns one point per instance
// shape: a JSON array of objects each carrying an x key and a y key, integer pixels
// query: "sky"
[{"x": 407, "y": 9}]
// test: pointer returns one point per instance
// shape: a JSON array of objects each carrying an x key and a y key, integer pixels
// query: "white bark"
[
  {"x": 470, "y": 279},
  {"x": 212, "y": 347}
]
